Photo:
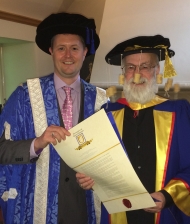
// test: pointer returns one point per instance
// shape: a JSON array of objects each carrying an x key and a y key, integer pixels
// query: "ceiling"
[{"x": 36, "y": 9}]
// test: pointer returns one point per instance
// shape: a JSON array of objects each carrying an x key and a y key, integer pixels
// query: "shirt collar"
[{"x": 59, "y": 83}]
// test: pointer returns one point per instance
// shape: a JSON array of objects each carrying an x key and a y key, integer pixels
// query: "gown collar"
[{"x": 137, "y": 106}]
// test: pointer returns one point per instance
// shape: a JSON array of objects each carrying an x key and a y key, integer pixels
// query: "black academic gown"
[{"x": 139, "y": 140}]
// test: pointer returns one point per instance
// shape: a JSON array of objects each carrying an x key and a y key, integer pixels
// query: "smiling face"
[
  {"x": 147, "y": 65},
  {"x": 68, "y": 53}
]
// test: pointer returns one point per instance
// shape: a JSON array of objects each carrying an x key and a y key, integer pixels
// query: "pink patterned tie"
[{"x": 67, "y": 110}]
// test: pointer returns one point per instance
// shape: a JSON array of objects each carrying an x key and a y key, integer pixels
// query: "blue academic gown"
[
  {"x": 18, "y": 113},
  {"x": 172, "y": 136}
]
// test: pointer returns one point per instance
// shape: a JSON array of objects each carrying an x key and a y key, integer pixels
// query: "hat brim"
[
  {"x": 44, "y": 37},
  {"x": 115, "y": 59}
]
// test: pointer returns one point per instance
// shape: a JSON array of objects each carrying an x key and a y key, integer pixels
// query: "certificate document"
[{"x": 95, "y": 150}]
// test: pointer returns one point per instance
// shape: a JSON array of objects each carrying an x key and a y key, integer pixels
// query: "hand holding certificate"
[{"x": 95, "y": 150}]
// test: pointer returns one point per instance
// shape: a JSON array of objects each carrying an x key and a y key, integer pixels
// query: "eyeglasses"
[{"x": 143, "y": 68}]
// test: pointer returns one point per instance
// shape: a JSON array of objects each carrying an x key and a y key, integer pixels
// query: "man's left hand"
[
  {"x": 160, "y": 202},
  {"x": 84, "y": 181}
]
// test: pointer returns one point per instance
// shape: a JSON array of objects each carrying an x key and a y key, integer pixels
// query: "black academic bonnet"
[
  {"x": 66, "y": 23},
  {"x": 146, "y": 44}
]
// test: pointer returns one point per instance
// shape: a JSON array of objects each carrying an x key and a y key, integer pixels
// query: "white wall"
[
  {"x": 124, "y": 19},
  {"x": 43, "y": 62},
  {"x": 18, "y": 61},
  {"x": 24, "y": 60},
  {"x": 17, "y": 31},
  {"x": 89, "y": 8}
]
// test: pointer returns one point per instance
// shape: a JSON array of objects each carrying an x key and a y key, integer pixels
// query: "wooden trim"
[{"x": 19, "y": 19}]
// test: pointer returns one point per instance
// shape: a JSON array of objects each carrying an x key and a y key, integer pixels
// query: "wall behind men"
[
  {"x": 124, "y": 19},
  {"x": 29, "y": 60},
  {"x": 21, "y": 60},
  {"x": 90, "y": 9}
]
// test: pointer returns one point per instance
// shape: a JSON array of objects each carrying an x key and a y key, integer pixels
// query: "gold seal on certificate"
[{"x": 82, "y": 141}]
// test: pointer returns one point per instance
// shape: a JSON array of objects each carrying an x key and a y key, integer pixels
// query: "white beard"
[{"x": 140, "y": 93}]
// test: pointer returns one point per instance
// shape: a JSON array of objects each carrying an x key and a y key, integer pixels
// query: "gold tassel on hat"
[{"x": 169, "y": 70}]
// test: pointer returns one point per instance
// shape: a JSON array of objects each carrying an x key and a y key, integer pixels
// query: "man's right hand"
[{"x": 52, "y": 134}]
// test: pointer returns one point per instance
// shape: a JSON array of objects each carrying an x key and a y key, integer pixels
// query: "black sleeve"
[
  {"x": 168, "y": 198},
  {"x": 15, "y": 152}
]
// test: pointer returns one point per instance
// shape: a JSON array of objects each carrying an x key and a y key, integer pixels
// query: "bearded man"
[
  {"x": 145, "y": 89},
  {"x": 155, "y": 132}
]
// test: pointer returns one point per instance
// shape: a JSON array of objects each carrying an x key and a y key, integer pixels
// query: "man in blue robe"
[
  {"x": 155, "y": 132},
  {"x": 38, "y": 187}
]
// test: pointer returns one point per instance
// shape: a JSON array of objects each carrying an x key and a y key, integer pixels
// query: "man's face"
[
  {"x": 141, "y": 61},
  {"x": 68, "y": 54},
  {"x": 147, "y": 65}
]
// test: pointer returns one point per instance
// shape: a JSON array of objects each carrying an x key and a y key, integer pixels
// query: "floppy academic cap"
[
  {"x": 66, "y": 23},
  {"x": 144, "y": 44}
]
